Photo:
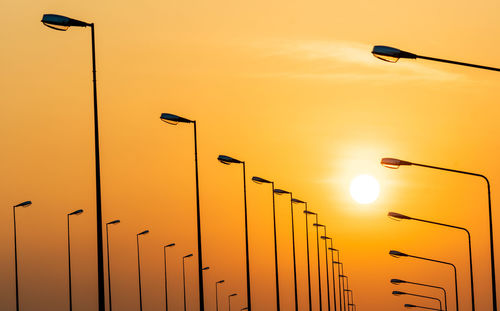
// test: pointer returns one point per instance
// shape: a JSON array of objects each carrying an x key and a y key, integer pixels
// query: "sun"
[{"x": 364, "y": 189}]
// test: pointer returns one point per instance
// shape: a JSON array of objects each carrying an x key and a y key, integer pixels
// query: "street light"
[
  {"x": 184, "y": 276},
  {"x": 23, "y": 204},
  {"x": 317, "y": 225},
  {"x": 349, "y": 297},
  {"x": 398, "y": 281},
  {"x": 114, "y": 222},
  {"x": 139, "y": 267},
  {"x": 396, "y": 163},
  {"x": 398, "y": 216},
  {"x": 392, "y": 55},
  {"x": 265, "y": 181},
  {"x": 297, "y": 201},
  {"x": 62, "y": 23},
  {"x": 344, "y": 277},
  {"x": 217, "y": 295},
  {"x": 326, "y": 238},
  {"x": 399, "y": 293},
  {"x": 174, "y": 119},
  {"x": 397, "y": 254},
  {"x": 409, "y": 306},
  {"x": 165, "y": 265},
  {"x": 339, "y": 265},
  {"x": 229, "y": 300},
  {"x": 282, "y": 192},
  {"x": 228, "y": 160},
  {"x": 77, "y": 212}
]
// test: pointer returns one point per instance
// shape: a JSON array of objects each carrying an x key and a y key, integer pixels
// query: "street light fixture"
[
  {"x": 344, "y": 277},
  {"x": 339, "y": 266},
  {"x": 77, "y": 212},
  {"x": 59, "y": 22},
  {"x": 217, "y": 295},
  {"x": 399, "y": 293},
  {"x": 228, "y": 160},
  {"x": 139, "y": 267},
  {"x": 326, "y": 238},
  {"x": 317, "y": 225},
  {"x": 398, "y": 281},
  {"x": 282, "y": 192},
  {"x": 297, "y": 201},
  {"x": 165, "y": 267},
  {"x": 392, "y": 55},
  {"x": 259, "y": 180},
  {"x": 229, "y": 300},
  {"x": 396, "y": 163},
  {"x": 184, "y": 276},
  {"x": 398, "y": 216},
  {"x": 173, "y": 120},
  {"x": 397, "y": 254},
  {"x": 114, "y": 222},
  {"x": 23, "y": 204}
]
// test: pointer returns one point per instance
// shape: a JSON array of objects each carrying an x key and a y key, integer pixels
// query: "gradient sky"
[{"x": 288, "y": 86}]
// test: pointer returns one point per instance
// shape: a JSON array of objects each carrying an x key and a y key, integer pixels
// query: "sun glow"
[{"x": 364, "y": 189}]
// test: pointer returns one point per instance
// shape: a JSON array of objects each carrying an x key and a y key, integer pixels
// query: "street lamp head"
[
  {"x": 390, "y": 54},
  {"x": 333, "y": 249},
  {"x": 173, "y": 119},
  {"x": 397, "y": 254},
  {"x": 326, "y": 238},
  {"x": 227, "y": 160},
  {"x": 77, "y": 212},
  {"x": 170, "y": 245},
  {"x": 259, "y": 180},
  {"x": 398, "y": 293},
  {"x": 143, "y": 232},
  {"x": 219, "y": 282},
  {"x": 407, "y": 305},
  {"x": 245, "y": 308},
  {"x": 397, "y": 216},
  {"x": 309, "y": 213},
  {"x": 297, "y": 201},
  {"x": 187, "y": 256},
  {"x": 319, "y": 225},
  {"x": 23, "y": 204},
  {"x": 393, "y": 163},
  {"x": 397, "y": 281},
  {"x": 62, "y": 23},
  {"x": 280, "y": 192},
  {"x": 232, "y": 295},
  {"x": 116, "y": 221},
  {"x": 205, "y": 269},
  {"x": 337, "y": 262}
]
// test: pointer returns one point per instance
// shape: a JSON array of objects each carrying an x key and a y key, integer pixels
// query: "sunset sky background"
[{"x": 291, "y": 88}]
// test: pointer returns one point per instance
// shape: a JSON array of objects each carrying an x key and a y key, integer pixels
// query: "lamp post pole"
[
  {"x": 117, "y": 221},
  {"x": 139, "y": 267},
  {"x": 24, "y": 204},
  {"x": 184, "y": 277},
  {"x": 326, "y": 238},
  {"x": 165, "y": 267},
  {"x": 77, "y": 212},
  {"x": 398, "y": 281},
  {"x": 316, "y": 224},
  {"x": 217, "y": 294}
]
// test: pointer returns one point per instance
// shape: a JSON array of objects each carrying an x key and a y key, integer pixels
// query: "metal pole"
[
  {"x": 198, "y": 223},
  {"x": 184, "y": 280},
  {"x": 276, "y": 254},
  {"x": 139, "y": 270},
  {"x": 294, "y": 261},
  {"x": 109, "y": 267},
  {"x": 308, "y": 262},
  {"x": 15, "y": 260},
  {"x": 319, "y": 267},
  {"x": 166, "y": 284},
  {"x": 69, "y": 268},
  {"x": 249, "y": 300}
]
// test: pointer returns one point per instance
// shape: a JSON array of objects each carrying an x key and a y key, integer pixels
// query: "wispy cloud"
[{"x": 344, "y": 61}]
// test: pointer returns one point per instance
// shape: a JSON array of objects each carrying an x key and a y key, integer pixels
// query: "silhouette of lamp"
[
  {"x": 317, "y": 225},
  {"x": 139, "y": 266},
  {"x": 165, "y": 267},
  {"x": 114, "y": 222},
  {"x": 184, "y": 277},
  {"x": 217, "y": 294},
  {"x": 77, "y": 212},
  {"x": 307, "y": 213},
  {"x": 399, "y": 293},
  {"x": 62, "y": 23},
  {"x": 23, "y": 204},
  {"x": 398, "y": 282},
  {"x": 229, "y": 300},
  {"x": 326, "y": 238}
]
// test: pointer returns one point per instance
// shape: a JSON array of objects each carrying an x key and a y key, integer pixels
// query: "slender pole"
[
  {"x": 217, "y": 295},
  {"x": 69, "y": 269},
  {"x": 139, "y": 273},
  {"x": 249, "y": 300},
  {"x": 328, "y": 276},
  {"x": 165, "y": 267},
  {"x": 432, "y": 286},
  {"x": 100, "y": 251},
  {"x": 198, "y": 223},
  {"x": 15, "y": 260},
  {"x": 276, "y": 254},
  {"x": 109, "y": 267},
  {"x": 184, "y": 280},
  {"x": 294, "y": 261},
  {"x": 340, "y": 285},
  {"x": 308, "y": 262},
  {"x": 457, "y": 63},
  {"x": 334, "y": 294},
  {"x": 319, "y": 266}
]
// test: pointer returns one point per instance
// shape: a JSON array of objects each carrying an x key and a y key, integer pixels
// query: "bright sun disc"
[{"x": 364, "y": 189}]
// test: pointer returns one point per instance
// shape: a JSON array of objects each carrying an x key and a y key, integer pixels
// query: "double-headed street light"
[
  {"x": 77, "y": 212},
  {"x": 265, "y": 181},
  {"x": 184, "y": 277},
  {"x": 139, "y": 267},
  {"x": 396, "y": 163},
  {"x": 392, "y": 55},
  {"x": 23, "y": 204},
  {"x": 399, "y": 293},
  {"x": 173, "y": 120},
  {"x": 228, "y": 160},
  {"x": 398, "y": 216},
  {"x": 62, "y": 23},
  {"x": 114, "y": 222},
  {"x": 397, "y": 254},
  {"x": 282, "y": 192},
  {"x": 217, "y": 294},
  {"x": 398, "y": 281},
  {"x": 165, "y": 267},
  {"x": 410, "y": 306}
]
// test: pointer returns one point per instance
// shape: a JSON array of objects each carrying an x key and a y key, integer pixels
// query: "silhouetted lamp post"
[
  {"x": 282, "y": 192},
  {"x": 217, "y": 294},
  {"x": 165, "y": 267},
  {"x": 228, "y": 160},
  {"x": 398, "y": 281},
  {"x": 77, "y": 212},
  {"x": 114, "y": 222},
  {"x": 229, "y": 300},
  {"x": 317, "y": 225},
  {"x": 297, "y": 201},
  {"x": 399, "y": 293},
  {"x": 23, "y": 204},
  {"x": 350, "y": 298},
  {"x": 397, "y": 254},
  {"x": 339, "y": 273},
  {"x": 398, "y": 216},
  {"x": 392, "y": 55},
  {"x": 139, "y": 267},
  {"x": 174, "y": 119},
  {"x": 396, "y": 163},
  {"x": 326, "y": 238},
  {"x": 62, "y": 23},
  {"x": 184, "y": 276},
  {"x": 344, "y": 277},
  {"x": 265, "y": 181},
  {"x": 409, "y": 306}
]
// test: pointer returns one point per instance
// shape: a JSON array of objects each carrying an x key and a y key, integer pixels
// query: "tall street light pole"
[
  {"x": 139, "y": 267},
  {"x": 174, "y": 119},
  {"x": 317, "y": 225},
  {"x": 229, "y": 300},
  {"x": 338, "y": 272},
  {"x": 77, "y": 212},
  {"x": 397, "y": 254},
  {"x": 398, "y": 216},
  {"x": 327, "y": 238},
  {"x": 396, "y": 163},
  {"x": 228, "y": 160},
  {"x": 184, "y": 277},
  {"x": 165, "y": 267},
  {"x": 344, "y": 277},
  {"x": 265, "y": 181},
  {"x": 23, "y": 204},
  {"x": 62, "y": 23},
  {"x": 398, "y": 281},
  {"x": 117, "y": 221},
  {"x": 297, "y": 201},
  {"x": 217, "y": 294}
]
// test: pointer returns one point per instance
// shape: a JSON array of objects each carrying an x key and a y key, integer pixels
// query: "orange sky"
[{"x": 288, "y": 86}]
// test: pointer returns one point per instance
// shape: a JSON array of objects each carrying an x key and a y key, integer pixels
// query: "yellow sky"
[{"x": 288, "y": 86}]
